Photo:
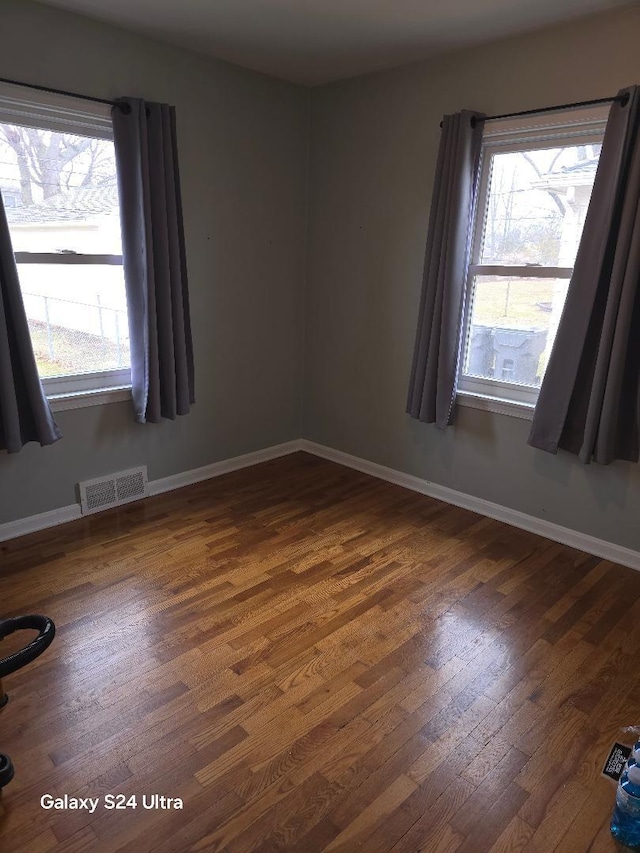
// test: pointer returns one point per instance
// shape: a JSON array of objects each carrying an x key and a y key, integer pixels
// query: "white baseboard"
[
  {"x": 207, "y": 472},
  {"x": 32, "y": 523},
  {"x": 22, "y": 526},
  {"x": 564, "y": 535}
]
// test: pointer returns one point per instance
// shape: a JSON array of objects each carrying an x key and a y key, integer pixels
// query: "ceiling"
[{"x": 316, "y": 41}]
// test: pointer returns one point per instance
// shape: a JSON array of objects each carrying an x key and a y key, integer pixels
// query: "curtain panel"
[
  {"x": 432, "y": 385},
  {"x": 25, "y": 414},
  {"x": 590, "y": 396},
  {"x": 162, "y": 372}
]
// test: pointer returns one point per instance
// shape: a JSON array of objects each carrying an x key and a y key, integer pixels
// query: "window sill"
[
  {"x": 495, "y": 404},
  {"x": 84, "y": 399}
]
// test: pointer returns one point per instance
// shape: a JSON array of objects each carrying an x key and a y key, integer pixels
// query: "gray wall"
[
  {"x": 373, "y": 152},
  {"x": 243, "y": 155}
]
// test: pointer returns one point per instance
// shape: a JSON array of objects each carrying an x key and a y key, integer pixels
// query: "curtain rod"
[
  {"x": 58, "y": 92},
  {"x": 623, "y": 99}
]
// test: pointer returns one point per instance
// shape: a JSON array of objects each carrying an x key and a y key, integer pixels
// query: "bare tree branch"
[
  {"x": 554, "y": 195},
  {"x": 42, "y": 156}
]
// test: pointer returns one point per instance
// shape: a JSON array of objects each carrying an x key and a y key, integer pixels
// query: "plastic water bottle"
[
  {"x": 634, "y": 758},
  {"x": 625, "y": 821}
]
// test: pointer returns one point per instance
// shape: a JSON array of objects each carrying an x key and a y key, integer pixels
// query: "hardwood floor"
[{"x": 315, "y": 660}]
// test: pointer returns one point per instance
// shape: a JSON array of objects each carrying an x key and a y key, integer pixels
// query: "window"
[
  {"x": 58, "y": 182},
  {"x": 535, "y": 182}
]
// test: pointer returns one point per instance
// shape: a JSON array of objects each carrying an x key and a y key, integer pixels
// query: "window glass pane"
[
  {"x": 536, "y": 205},
  {"x": 59, "y": 190},
  {"x": 513, "y": 322},
  {"x": 77, "y": 317},
  {"x": 60, "y": 194}
]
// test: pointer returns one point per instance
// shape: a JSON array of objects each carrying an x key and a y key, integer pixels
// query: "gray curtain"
[
  {"x": 25, "y": 414},
  {"x": 154, "y": 259},
  {"x": 590, "y": 395},
  {"x": 432, "y": 386}
]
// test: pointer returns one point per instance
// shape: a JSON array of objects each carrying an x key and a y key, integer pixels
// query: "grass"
[
  {"x": 512, "y": 303},
  {"x": 73, "y": 351}
]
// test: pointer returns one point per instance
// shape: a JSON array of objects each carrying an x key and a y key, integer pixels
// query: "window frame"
[
  {"x": 53, "y": 112},
  {"x": 571, "y": 127}
]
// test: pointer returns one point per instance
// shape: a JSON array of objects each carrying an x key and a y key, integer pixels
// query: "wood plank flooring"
[{"x": 314, "y": 660}]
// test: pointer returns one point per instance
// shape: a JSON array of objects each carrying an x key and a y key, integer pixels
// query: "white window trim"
[
  {"x": 87, "y": 118},
  {"x": 54, "y": 112},
  {"x": 86, "y": 383},
  {"x": 497, "y": 405},
  {"x": 525, "y": 271},
  {"x": 66, "y": 258},
  {"x": 85, "y": 399},
  {"x": 87, "y": 389},
  {"x": 577, "y": 126}
]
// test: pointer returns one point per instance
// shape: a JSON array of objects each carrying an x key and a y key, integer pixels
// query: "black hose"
[
  {"x": 6, "y": 770},
  {"x": 42, "y": 624}
]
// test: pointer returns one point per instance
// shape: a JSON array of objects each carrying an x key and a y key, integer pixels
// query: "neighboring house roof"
[
  {"x": 78, "y": 205},
  {"x": 580, "y": 174},
  {"x": 588, "y": 166}
]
